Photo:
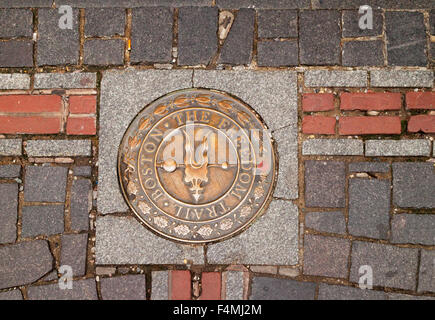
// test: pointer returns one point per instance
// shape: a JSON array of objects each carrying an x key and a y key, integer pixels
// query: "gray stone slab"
[
  {"x": 413, "y": 185},
  {"x": 129, "y": 287},
  {"x": 77, "y": 80},
  {"x": 84, "y": 171},
  {"x": 104, "y": 52},
  {"x": 333, "y": 292},
  {"x": 369, "y": 208},
  {"x": 363, "y": 53},
  {"x": 24, "y": 263},
  {"x": 277, "y": 23},
  {"x": 337, "y": 147},
  {"x": 45, "y": 183},
  {"x": 61, "y": 148},
  {"x": 16, "y": 53},
  {"x": 82, "y": 290},
  {"x": 397, "y": 148},
  {"x": 351, "y": 24},
  {"x": 132, "y": 90},
  {"x": 388, "y": 4},
  {"x": 400, "y": 296},
  {"x": 382, "y": 167},
  {"x": 8, "y": 212},
  {"x": 331, "y": 221},
  {"x": 413, "y": 228},
  {"x": 14, "y": 81},
  {"x": 42, "y": 220},
  {"x": 426, "y": 277},
  {"x": 11, "y": 295},
  {"x": 26, "y": 4},
  {"x": 271, "y": 240},
  {"x": 97, "y": 22},
  {"x": 10, "y": 170},
  {"x": 16, "y": 23},
  {"x": 74, "y": 253},
  {"x": 401, "y": 78},
  {"x": 277, "y": 53},
  {"x": 133, "y": 3},
  {"x": 392, "y": 266},
  {"x": 335, "y": 78},
  {"x": 81, "y": 204},
  {"x": 123, "y": 240},
  {"x": 264, "y": 288},
  {"x": 159, "y": 285},
  {"x": 234, "y": 285},
  {"x": 261, "y": 4},
  {"x": 10, "y": 147}
]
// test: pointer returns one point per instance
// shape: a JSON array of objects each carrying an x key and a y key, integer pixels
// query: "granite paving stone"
[
  {"x": 335, "y": 78},
  {"x": 401, "y": 78},
  {"x": 426, "y": 277},
  {"x": 277, "y": 24},
  {"x": 159, "y": 285},
  {"x": 151, "y": 35},
  {"x": 10, "y": 147},
  {"x": 413, "y": 185},
  {"x": 8, "y": 212},
  {"x": 334, "y": 292},
  {"x": 237, "y": 48},
  {"x": 264, "y": 288},
  {"x": 330, "y": 221},
  {"x": 234, "y": 283},
  {"x": 16, "y": 23},
  {"x": 42, "y": 220},
  {"x": 84, "y": 171},
  {"x": 277, "y": 53},
  {"x": 326, "y": 256},
  {"x": 381, "y": 167},
  {"x": 14, "y": 81},
  {"x": 392, "y": 266},
  {"x": 11, "y": 295},
  {"x": 413, "y": 228},
  {"x": 10, "y": 170},
  {"x": 135, "y": 3},
  {"x": 28, "y": 3},
  {"x": 271, "y": 240},
  {"x": 397, "y": 148},
  {"x": 388, "y": 4},
  {"x": 16, "y": 53},
  {"x": 73, "y": 253},
  {"x": 76, "y": 80},
  {"x": 337, "y": 147},
  {"x": 369, "y": 208},
  {"x": 44, "y": 183},
  {"x": 351, "y": 27},
  {"x": 315, "y": 48},
  {"x": 118, "y": 240},
  {"x": 128, "y": 287},
  {"x": 401, "y": 296},
  {"x": 104, "y": 52},
  {"x": 96, "y": 19},
  {"x": 324, "y": 184},
  {"x": 406, "y": 38},
  {"x": 363, "y": 53},
  {"x": 54, "y": 148},
  {"x": 82, "y": 290},
  {"x": 261, "y": 4},
  {"x": 57, "y": 46},
  {"x": 81, "y": 204},
  {"x": 24, "y": 263},
  {"x": 197, "y": 38}
]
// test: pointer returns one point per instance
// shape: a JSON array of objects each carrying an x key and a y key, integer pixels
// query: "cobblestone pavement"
[{"x": 351, "y": 111}]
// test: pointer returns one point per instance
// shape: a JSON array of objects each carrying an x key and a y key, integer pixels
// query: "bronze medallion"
[{"x": 197, "y": 166}]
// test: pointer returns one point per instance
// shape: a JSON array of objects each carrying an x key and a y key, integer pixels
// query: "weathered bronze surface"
[{"x": 197, "y": 166}]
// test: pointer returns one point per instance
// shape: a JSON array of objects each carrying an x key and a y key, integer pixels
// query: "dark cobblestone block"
[
  {"x": 387, "y": 4},
  {"x": 73, "y": 253},
  {"x": 426, "y": 278},
  {"x": 277, "y": 23},
  {"x": 57, "y": 46},
  {"x": 264, "y": 288},
  {"x": 151, "y": 35},
  {"x": 351, "y": 27},
  {"x": 406, "y": 39},
  {"x": 84, "y": 171},
  {"x": 326, "y": 256},
  {"x": 82, "y": 290},
  {"x": 16, "y": 53},
  {"x": 135, "y": 3},
  {"x": 393, "y": 267},
  {"x": 369, "y": 208},
  {"x": 262, "y": 4},
  {"x": 104, "y": 22},
  {"x": 333, "y": 292},
  {"x": 324, "y": 184},
  {"x": 277, "y": 53},
  {"x": 8, "y": 212},
  {"x": 27, "y": 3},
  {"x": 400, "y": 296},
  {"x": 104, "y": 52},
  {"x": 24, "y": 263},
  {"x": 319, "y": 37},
  {"x": 381, "y": 167},
  {"x": 332, "y": 222},
  {"x": 363, "y": 53},
  {"x": 432, "y": 21},
  {"x": 10, "y": 170},
  {"x": 413, "y": 185},
  {"x": 11, "y": 295},
  {"x": 413, "y": 228},
  {"x": 42, "y": 220},
  {"x": 81, "y": 203},
  {"x": 238, "y": 46},
  {"x": 129, "y": 287},
  {"x": 16, "y": 23},
  {"x": 197, "y": 38},
  {"x": 45, "y": 184}
]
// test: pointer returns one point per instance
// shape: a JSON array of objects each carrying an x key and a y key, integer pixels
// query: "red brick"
[
  {"x": 30, "y": 125},
  {"x": 312, "y": 102},
  {"x": 30, "y": 103},
  {"x": 424, "y": 123},
  {"x": 83, "y": 104},
  {"x": 180, "y": 285},
  {"x": 318, "y": 125},
  {"x": 420, "y": 100},
  {"x": 371, "y": 101},
  {"x": 211, "y": 286},
  {"x": 81, "y": 126},
  {"x": 369, "y": 125}
]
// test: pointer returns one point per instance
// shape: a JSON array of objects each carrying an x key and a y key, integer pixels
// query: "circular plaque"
[{"x": 197, "y": 166}]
